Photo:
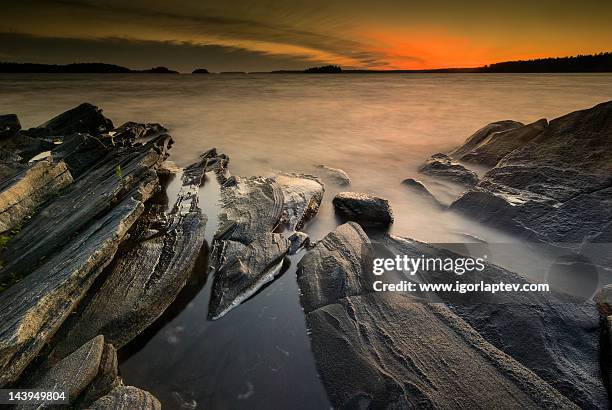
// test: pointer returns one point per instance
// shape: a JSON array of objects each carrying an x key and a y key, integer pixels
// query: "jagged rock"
[
  {"x": 557, "y": 188},
  {"x": 246, "y": 252},
  {"x": 483, "y": 134},
  {"x": 603, "y": 299},
  {"x": 362, "y": 208},
  {"x": 500, "y": 143},
  {"x": 297, "y": 241},
  {"x": 80, "y": 152},
  {"x": 106, "y": 184},
  {"x": 73, "y": 374},
  {"x": 302, "y": 196},
  {"x": 9, "y": 126},
  {"x": 245, "y": 269},
  {"x": 131, "y": 131},
  {"x": 62, "y": 249},
  {"x": 10, "y": 164},
  {"x": 85, "y": 118},
  {"x": 384, "y": 350},
  {"x": 146, "y": 279},
  {"x": 337, "y": 175},
  {"x": 420, "y": 189},
  {"x": 443, "y": 166},
  {"x": 127, "y": 397},
  {"x": 32, "y": 310},
  {"x": 22, "y": 194},
  {"x": 552, "y": 334}
]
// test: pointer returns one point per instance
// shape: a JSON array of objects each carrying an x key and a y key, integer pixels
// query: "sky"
[{"x": 232, "y": 35}]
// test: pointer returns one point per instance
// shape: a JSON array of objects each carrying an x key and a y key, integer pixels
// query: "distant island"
[
  {"x": 77, "y": 68},
  {"x": 592, "y": 63}
]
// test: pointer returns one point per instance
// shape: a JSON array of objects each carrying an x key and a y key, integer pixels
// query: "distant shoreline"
[{"x": 594, "y": 63}]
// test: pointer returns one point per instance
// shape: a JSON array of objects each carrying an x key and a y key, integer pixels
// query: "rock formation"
[{"x": 365, "y": 209}]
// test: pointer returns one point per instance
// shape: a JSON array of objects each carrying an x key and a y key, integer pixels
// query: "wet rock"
[
  {"x": 383, "y": 350},
  {"x": 146, "y": 279},
  {"x": 127, "y": 397},
  {"x": 340, "y": 177},
  {"x": 245, "y": 269},
  {"x": 362, "y": 208},
  {"x": 297, "y": 241},
  {"x": 603, "y": 299},
  {"x": 557, "y": 188},
  {"x": 482, "y": 135},
  {"x": 420, "y": 189},
  {"x": 85, "y": 118},
  {"x": 9, "y": 126},
  {"x": 22, "y": 194},
  {"x": 10, "y": 164},
  {"x": 302, "y": 196},
  {"x": 105, "y": 380},
  {"x": 500, "y": 143},
  {"x": 74, "y": 373},
  {"x": 443, "y": 166},
  {"x": 552, "y": 334}
]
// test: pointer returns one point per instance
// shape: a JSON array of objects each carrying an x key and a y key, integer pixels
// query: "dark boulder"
[
  {"x": 200, "y": 71},
  {"x": 9, "y": 126},
  {"x": 85, "y": 118},
  {"x": 365, "y": 209},
  {"x": 442, "y": 166}
]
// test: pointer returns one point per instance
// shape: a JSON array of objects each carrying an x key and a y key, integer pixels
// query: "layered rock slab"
[
  {"x": 442, "y": 166},
  {"x": 385, "y": 350},
  {"x": 145, "y": 280}
]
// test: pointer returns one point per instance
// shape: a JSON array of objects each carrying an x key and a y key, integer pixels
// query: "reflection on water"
[{"x": 378, "y": 128}]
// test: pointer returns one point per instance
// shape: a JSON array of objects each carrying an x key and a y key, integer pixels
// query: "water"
[{"x": 378, "y": 128}]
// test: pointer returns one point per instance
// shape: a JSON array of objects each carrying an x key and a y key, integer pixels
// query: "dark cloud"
[{"x": 139, "y": 54}]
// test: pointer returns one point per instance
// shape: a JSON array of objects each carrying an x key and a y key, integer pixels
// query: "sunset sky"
[{"x": 232, "y": 35}]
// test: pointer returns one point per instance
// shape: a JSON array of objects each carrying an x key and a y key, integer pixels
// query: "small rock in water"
[
  {"x": 418, "y": 187},
  {"x": 337, "y": 175},
  {"x": 443, "y": 166},
  {"x": 9, "y": 125},
  {"x": 362, "y": 208},
  {"x": 298, "y": 240}
]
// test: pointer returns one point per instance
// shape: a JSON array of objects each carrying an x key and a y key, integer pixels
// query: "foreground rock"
[
  {"x": 247, "y": 250},
  {"x": 365, "y": 209},
  {"x": 127, "y": 397},
  {"x": 337, "y": 175},
  {"x": 443, "y": 166},
  {"x": 555, "y": 189},
  {"x": 64, "y": 246},
  {"x": 384, "y": 350},
  {"x": 554, "y": 335},
  {"x": 491, "y": 143},
  {"x": 146, "y": 278},
  {"x": 9, "y": 126}
]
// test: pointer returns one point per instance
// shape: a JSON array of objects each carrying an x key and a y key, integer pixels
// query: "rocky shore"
[{"x": 93, "y": 251}]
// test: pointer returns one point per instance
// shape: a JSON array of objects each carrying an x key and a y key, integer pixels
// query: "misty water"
[{"x": 376, "y": 127}]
